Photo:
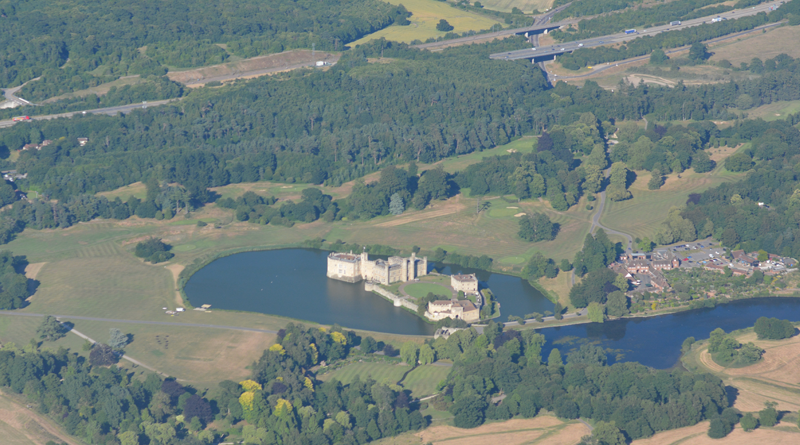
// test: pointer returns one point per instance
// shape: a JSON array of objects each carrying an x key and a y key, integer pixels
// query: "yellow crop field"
[{"x": 425, "y": 15}]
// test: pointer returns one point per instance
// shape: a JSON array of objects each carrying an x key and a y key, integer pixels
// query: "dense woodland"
[{"x": 112, "y": 38}]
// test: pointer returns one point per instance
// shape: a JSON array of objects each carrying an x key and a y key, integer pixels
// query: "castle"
[{"x": 353, "y": 268}]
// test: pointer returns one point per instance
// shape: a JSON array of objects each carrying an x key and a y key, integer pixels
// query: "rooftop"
[{"x": 470, "y": 277}]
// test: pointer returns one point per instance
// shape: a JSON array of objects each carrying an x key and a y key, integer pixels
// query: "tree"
[
  {"x": 719, "y": 428},
  {"x": 128, "y": 438},
  {"x": 117, "y": 340},
  {"x": 701, "y": 163},
  {"x": 698, "y": 52},
  {"x": 594, "y": 178},
  {"x": 617, "y": 304},
  {"x": 621, "y": 282},
  {"x": 565, "y": 265},
  {"x": 50, "y": 329},
  {"x": 749, "y": 422},
  {"x": 197, "y": 407},
  {"x": 368, "y": 345},
  {"x": 773, "y": 329},
  {"x": 426, "y": 355},
  {"x": 656, "y": 181},
  {"x": 588, "y": 354},
  {"x": 596, "y": 312},
  {"x": 154, "y": 250},
  {"x": 469, "y": 411},
  {"x": 769, "y": 415},
  {"x": 658, "y": 57},
  {"x": 607, "y": 433},
  {"x": 409, "y": 352},
  {"x": 537, "y": 227},
  {"x": 443, "y": 26},
  {"x": 558, "y": 311},
  {"x": 102, "y": 355},
  {"x": 554, "y": 360},
  {"x": 396, "y": 205}
]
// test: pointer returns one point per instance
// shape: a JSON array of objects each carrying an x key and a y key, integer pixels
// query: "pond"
[{"x": 293, "y": 283}]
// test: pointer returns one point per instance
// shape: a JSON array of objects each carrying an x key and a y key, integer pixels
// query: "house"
[
  {"x": 455, "y": 309},
  {"x": 664, "y": 260},
  {"x": 464, "y": 283},
  {"x": 82, "y": 141},
  {"x": 742, "y": 258}
]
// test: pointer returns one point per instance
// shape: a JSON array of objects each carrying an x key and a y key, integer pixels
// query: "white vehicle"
[
  {"x": 533, "y": 49},
  {"x": 580, "y": 44},
  {"x": 562, "y": 49}
]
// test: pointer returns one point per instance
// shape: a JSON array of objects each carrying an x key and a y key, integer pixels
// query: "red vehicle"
[{"x": 21, "y": 118}]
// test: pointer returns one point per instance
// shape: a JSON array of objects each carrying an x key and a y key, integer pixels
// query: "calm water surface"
[{"x": 292, "y": 283}]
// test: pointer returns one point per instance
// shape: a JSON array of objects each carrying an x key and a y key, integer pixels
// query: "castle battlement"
[{"x": 353, "y": 268}]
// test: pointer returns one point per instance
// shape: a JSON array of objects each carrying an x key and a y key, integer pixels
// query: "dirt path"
[
  {"x": 708, "y": 362},
  {"x": 176, "y": 270}
]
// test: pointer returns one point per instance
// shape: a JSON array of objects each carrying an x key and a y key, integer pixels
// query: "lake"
[{"x": 293, "y": 283}]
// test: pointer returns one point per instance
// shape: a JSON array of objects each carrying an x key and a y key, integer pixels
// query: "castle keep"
[{"x": 354, "y": 268}]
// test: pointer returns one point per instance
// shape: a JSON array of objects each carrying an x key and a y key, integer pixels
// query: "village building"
[
  {"x": 82, "y": 141},
  {"x": 455, "y": 309},
  {"x": 464, "y": 283},
  {"x": 353, "y": 268},
  {"x": 742, "y": 258}
]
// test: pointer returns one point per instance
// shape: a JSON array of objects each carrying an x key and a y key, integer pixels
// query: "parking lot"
[{"x": 699, "y": 253}]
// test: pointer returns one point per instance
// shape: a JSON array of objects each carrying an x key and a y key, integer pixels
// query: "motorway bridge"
[{"x": 549, "y": 52}]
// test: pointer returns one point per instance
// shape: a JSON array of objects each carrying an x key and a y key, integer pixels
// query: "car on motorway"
[
  {"x": 675, "y": 23},
  {"x": 580, "y": 44},
  {"x": 533, "y": 49},
  {"x": 562, "y": 49}
]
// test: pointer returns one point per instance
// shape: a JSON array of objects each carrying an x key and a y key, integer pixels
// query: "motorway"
[
  {"x": 111, "y": 111},
  {"x": 541, "y": 20},
  {"x": 554, "y": 50}
]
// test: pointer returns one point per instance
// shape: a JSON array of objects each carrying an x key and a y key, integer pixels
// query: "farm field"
[
  {"x": 543, "y": 429},
  {"x": 425, "y": 15},
  {"x": 527, "y": 6},
  {"x": 641, "y": 215},
  {"x": 774, "y": 378},
  {"x": 781, "y": 434},
  {"x": 780, "y": 40},
  {"x": 20, "y": 425}
]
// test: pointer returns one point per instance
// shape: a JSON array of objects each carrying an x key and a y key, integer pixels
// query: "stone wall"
[{"x": 398, "y": 301}]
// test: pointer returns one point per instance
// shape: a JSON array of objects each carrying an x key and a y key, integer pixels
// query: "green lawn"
[
  {"x": 422, "y": 381},
  {"x": 420, "y": 290},
  {"x": 381, "y": 371}
]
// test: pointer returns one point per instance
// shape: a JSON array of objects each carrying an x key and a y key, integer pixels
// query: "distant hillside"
[{"x": 113, "y": 38}]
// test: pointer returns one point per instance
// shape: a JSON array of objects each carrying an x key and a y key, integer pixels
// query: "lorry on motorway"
[
  {"x": 21, "y": 118},
  {"x": 630, "y": 31},
  {"x": 675, "y": 23}
]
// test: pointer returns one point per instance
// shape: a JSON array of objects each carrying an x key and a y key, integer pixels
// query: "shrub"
[
  {"x": 773, "y": 329},
  {"x": 719, "y": 428},
  {"x": 154, "y": 250}
]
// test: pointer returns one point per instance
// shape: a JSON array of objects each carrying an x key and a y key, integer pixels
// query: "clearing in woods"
[
  {"x": 774, "y": 378},
  {"x": 425, "y": 15},
  {"x": 20, "y": 425},
  {"x": 641, "y": 215},
  {"x": 421, "y": 381}
]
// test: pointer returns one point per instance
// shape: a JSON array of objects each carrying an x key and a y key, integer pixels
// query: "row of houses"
[
  {"x": 744, "y": 264},
  {"x": 46, "y": 142}
]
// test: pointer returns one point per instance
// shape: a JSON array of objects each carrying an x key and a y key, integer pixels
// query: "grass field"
[
  {"x": 101, "y": 89},
  {"x": 381, "y": 372},
  {"x": 774, "y": 378},
  {"x": 780, "y": 40},
  {"x": 642, "y": 215},
  {"x": 527, "y": 6},
  {"x": 774, "y": 111},
  {"x": 422, "y": 381},
  {"x": 420, "y": 290},
  {"x": 425, "y": 15},
  {"x": 524, "y": 144},
  {"x": 20, "y": 425}
]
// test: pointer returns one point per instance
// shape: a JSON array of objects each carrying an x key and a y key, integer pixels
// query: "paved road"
[
  {"x": 111, "y": 111},
  {"x": 158, "y": 323},
  {"x": 600, "y": 68},
  {"x": 554, "y": 50},
  {"x": 538, "y": 25},
  {"x": 10, "y": 94}
]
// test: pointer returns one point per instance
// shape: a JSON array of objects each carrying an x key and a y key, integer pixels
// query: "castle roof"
[{"x": 465, "y": 278}]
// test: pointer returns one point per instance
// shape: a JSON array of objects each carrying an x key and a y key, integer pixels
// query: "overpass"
[{"x": 548, "y": 52}]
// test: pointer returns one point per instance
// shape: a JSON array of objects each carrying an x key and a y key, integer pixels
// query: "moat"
[{"x": 292, "y": 283}]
